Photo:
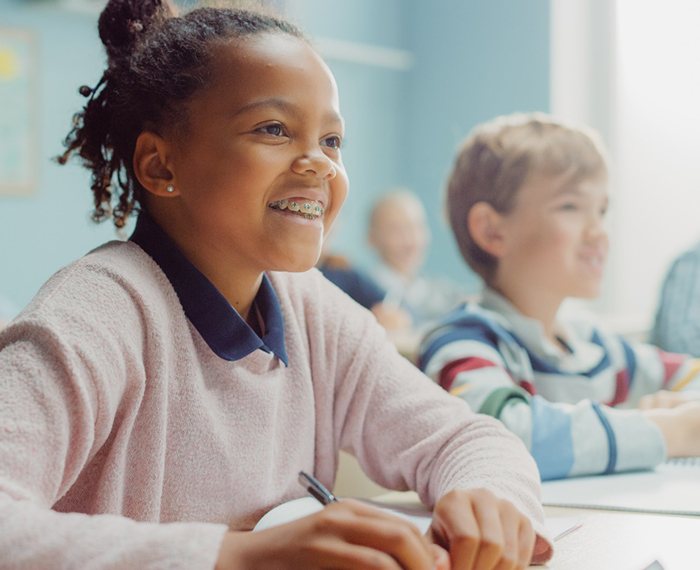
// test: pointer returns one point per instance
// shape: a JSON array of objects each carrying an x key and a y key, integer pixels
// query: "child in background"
[
  {"x": 159, "y": 395},
  {"x": 527, "y": 199},
  {"x": 362, "y": 289},
  {"x": 399, "y": 233},
  {"x": 677, "y": 321}
]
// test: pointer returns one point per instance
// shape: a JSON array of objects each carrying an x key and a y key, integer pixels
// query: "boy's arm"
[
  {"x": 565, "y": 440},
  {"x": 648, "y": 369}
]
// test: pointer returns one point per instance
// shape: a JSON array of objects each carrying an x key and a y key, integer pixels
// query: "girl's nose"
[{"x": 316, "y": 163}]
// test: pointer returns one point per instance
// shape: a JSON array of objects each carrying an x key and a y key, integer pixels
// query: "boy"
[{"x": 526, "y": 200}]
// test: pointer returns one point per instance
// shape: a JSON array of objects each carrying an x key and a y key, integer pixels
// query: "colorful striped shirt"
[{"x": 570, "y": 407}]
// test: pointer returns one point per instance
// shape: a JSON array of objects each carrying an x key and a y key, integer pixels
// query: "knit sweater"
[
  {"x": 570, "y": 407},
  {"x": 127, "y": 441}
]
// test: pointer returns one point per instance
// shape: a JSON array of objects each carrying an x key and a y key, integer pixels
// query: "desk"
[{"x": 612, "y": 540}]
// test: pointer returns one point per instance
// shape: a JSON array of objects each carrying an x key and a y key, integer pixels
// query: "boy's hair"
[
  {"x": 499, "y": 156},
  {"x": 157, "y": 60}
]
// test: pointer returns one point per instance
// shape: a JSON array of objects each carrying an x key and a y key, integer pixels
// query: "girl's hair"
[
  {"x": 156, "y": 61},
  {"x": 499, "y": 156}
]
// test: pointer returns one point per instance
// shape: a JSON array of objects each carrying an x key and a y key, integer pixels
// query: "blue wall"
[
  {"x": 44, "y": 231},
  {"x": 473, "y": 60}
]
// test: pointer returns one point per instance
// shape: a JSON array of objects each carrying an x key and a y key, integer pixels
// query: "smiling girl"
[{"x": 159, "y": 395}]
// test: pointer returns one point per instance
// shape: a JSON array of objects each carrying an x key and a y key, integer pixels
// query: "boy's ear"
[
  {"x": 151, "y": 165},
  {"x": 486, "y": 228}
]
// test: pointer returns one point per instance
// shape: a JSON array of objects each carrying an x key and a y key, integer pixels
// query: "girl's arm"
[
  {"x": 53, "y": 419},
  {"x": 408, "y": 433}
]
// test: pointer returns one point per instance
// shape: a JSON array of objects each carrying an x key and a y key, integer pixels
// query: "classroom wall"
[
  {"x": 473, "y": 60},
  {"x": 414, "y": 77},
  {"x": 41, "y": 232}
]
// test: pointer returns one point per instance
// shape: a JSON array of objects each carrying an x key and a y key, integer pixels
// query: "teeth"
[{"x": 309, "y": 210}]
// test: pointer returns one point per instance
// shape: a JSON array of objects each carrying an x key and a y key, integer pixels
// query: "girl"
[{"x": 159, "y": 395}]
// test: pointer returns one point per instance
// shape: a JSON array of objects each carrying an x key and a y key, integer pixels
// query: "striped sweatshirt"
[{"x": 571, "y": 408}]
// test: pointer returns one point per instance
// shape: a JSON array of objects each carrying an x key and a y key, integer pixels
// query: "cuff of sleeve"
[{"x": 640, "y": 444}]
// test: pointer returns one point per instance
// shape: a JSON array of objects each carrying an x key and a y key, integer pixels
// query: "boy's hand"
[
  {"x": 665, "y": 399},
  {"x": 347, "y": 534},
  {"x": 680, "y": 427},
  {"x": 482, "y": 531}
]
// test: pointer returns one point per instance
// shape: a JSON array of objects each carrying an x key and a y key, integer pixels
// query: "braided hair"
[{"x": 156, "y": 61}]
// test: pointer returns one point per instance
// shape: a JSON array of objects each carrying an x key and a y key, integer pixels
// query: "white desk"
[{"x": 612, "y": 540}]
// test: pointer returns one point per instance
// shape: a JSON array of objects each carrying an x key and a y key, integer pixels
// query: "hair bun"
[{"x": 123, "y": 21}]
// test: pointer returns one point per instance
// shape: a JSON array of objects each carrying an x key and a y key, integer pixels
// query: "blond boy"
[{"x": 527, "y": 199}]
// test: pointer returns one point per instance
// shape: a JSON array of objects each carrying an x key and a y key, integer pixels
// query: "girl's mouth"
[{"x": 309, "y": 209}]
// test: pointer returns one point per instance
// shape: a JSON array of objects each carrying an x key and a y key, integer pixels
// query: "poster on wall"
[{"x": 18, "y": 113}]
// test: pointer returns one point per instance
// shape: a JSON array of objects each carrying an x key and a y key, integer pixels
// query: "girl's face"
[
  {"x": 556, "y": 238},
  {"x": 258, "y": 169}
]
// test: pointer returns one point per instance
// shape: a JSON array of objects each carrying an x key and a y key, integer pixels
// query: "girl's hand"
[
  {"x": 481, "y": 531},
  {"x": 347, "y": 534},
  {"x": 664, "y": 399}
]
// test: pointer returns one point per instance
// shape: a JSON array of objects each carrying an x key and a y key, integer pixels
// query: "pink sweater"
[{"x": 125, "y": 442}]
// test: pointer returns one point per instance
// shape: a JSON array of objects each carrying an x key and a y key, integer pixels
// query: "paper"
[
  {"x": 557, "y": 527},
  {"x": 672, "y": 488}
]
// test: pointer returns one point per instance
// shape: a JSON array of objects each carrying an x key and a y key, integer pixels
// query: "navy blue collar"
[{"x": 220, "y": 325}]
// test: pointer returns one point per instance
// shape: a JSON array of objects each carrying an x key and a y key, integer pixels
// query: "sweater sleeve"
[
  {"x": 54, "y": 415},
  {"x": 585, "y": 438},
  {"x": 407, "y": 433}
]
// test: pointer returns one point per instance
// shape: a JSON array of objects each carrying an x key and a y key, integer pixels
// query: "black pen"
[{"x": 316, "y": 489}]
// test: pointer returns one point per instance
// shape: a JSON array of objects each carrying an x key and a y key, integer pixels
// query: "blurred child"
[
  {"x": 677, "y": 322},
  {"x": 363, "y": 289},
  {"x": 159, "y": 395},
  {"x": 527, "y": 199},
  {"x": 399, "y": 232}
]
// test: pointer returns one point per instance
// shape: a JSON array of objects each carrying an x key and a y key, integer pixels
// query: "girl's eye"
[
  {"x": 275, "y": 129},
  {"x": 569, "y": 206},
  {"x": 333, "y": 141}
]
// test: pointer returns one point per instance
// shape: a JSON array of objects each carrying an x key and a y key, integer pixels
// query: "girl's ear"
[
  {"x": 151, "y": 165},
  {"x": 485, "y": 226}
]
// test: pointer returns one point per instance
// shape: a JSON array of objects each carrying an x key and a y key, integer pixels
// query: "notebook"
[
  {"x": 672, "y": 488},
  {"x": 557, "y": 527}
]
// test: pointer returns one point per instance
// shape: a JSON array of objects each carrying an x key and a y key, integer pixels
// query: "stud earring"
[{"x": 170, "y": 188}]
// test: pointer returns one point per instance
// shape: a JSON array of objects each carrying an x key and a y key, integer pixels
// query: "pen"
[{"x": 316, "y": 489}]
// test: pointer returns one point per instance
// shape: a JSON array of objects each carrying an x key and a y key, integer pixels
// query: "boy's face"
[{"x": 555, "y": 238}]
